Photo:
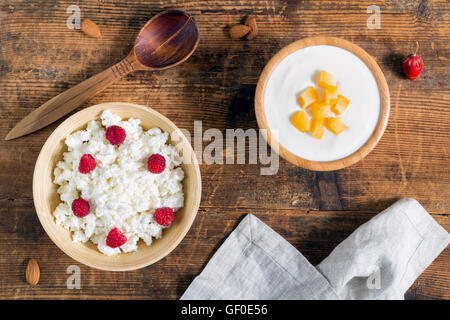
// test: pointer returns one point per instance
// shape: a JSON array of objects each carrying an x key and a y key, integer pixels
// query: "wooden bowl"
[
  {"x": 46, "y": 198},
  {"x": 373, "y": 138}
]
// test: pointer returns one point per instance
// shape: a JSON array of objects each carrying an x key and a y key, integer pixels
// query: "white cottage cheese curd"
[{"x": 121, "y": 191}]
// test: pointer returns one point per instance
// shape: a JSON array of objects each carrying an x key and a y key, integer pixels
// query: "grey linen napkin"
[{"x": 379, "y": 260}]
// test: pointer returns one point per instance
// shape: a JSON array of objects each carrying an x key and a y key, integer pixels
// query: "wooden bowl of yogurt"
[
  {"x": 47, "y": 199},
  {"x": 360, "y": 79}
]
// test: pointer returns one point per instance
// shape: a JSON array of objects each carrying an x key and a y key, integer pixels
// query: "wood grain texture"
[
  {"x": 165, "y": 41},
  {"x": 69, "y": 100},
  {"x": 40, "y": 58}
]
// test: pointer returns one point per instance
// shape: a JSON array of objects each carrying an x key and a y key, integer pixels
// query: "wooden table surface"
[{"x": 40, "y": 57}]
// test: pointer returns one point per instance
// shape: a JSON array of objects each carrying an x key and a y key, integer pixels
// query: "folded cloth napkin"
[{"x": 379, "y": 260}]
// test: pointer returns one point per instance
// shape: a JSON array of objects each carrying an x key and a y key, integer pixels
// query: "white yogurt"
[
  {"x": 121, "y": 191},
  {"x": 298, "y": 71}
]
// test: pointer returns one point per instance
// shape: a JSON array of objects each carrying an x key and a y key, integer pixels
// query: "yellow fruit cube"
[
  {"x": 307, "y": 97},
  {"x": 332, "y": 103},
  {"x": 318, "y": 128},
  {"x": 335, "y": 125},
  {"x": 301, "y": 121},
  {"x": 326, "y": 80},
  {"x": 331, "y": 94},
  {"x": 340, "y": 106},
  {"x": 320, "y": 109}
]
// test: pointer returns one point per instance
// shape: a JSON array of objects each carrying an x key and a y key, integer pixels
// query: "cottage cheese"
[{"x": 121, "y": 191}]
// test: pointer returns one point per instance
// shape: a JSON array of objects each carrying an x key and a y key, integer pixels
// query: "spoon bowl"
[{"x": 165, "y": 41}]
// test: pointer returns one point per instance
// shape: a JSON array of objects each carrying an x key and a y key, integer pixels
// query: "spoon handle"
[{"x": 72, "y": 98}]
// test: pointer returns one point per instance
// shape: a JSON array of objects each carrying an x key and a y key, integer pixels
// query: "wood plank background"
[{"x": 40, "y": 57}]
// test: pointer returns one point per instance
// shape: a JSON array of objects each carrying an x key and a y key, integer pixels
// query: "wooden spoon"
[{"x": 165, "y": 41}]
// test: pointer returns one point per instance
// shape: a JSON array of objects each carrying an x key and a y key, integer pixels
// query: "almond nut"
[
  {"x": 32, "y": 273},
  {"x": 251, "y": 22},
  {"x": 90, "y": 28},
  {"x": 238, "y": 31}
]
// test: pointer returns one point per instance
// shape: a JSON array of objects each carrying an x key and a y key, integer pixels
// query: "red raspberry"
[
  {"x": 156, "y": 163},
  {"x": 412, "y": 66},
  {"x": 115, "y": 238},
  {"x": 116, "y": 135},
  {"x": 164, "y": 216},
  {"x": 87, "y": 163},
  {"x": 80, "y": 207}
]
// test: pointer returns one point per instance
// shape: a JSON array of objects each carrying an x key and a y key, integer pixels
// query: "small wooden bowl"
[
  {"x": 384, "y": 104},
  {"x": 46, "y": 198}
]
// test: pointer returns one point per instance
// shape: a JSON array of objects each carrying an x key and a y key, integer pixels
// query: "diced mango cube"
[
  {"x": 332, "y": 103},
  {"x": 331, "y": 94},
  {"x": 326, "y": 80},
  {"x": 307, "y": 97},
  {"x": 340, "y": 106},
  {"x": 335, "y": 125},
  {"x": 320, "y": 109},
  {"x": 301, "y": 121},
  {"x": 318, "y": 128}
]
